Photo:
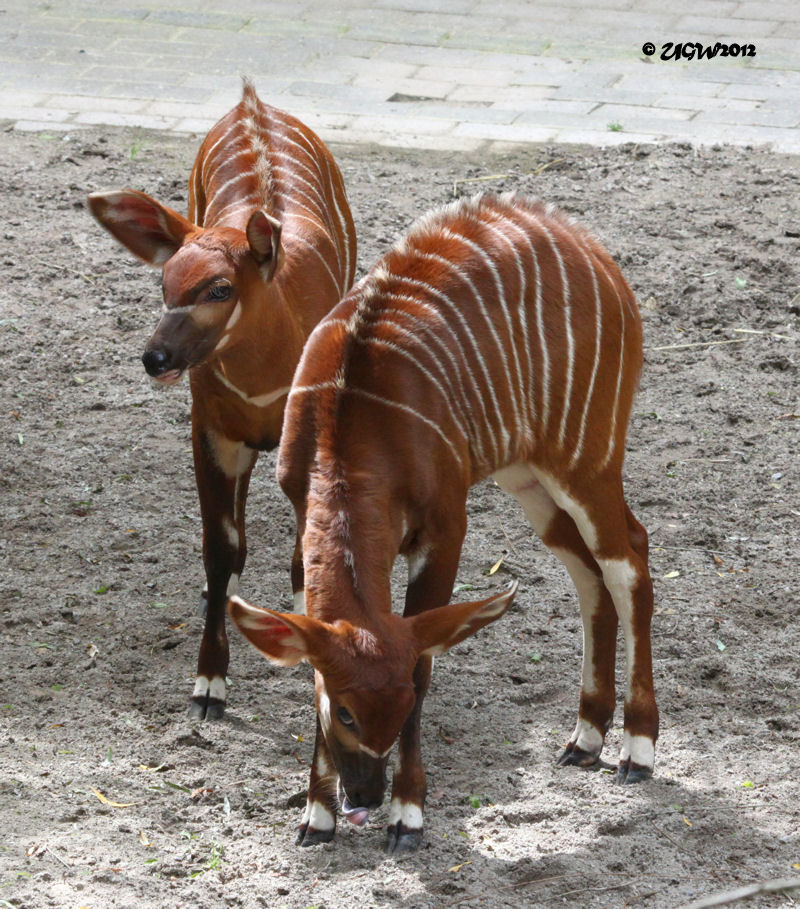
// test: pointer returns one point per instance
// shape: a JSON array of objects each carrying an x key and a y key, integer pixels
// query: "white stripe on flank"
[
  {"x": 317, "y": 156},
  {"x": 228, "y": 183},
  {"x": 490, "y": 265},
  {"x": 612, "y": 439},
  {"x": 525, "y": 399},
  {"x": 525, "y": 329},
  {"x": 406, "y": 408},
  {"x": 321, "y": 258},
  {"x": 501, "y": 431},
  {"x": 250, "y": 202},
  {"x": 424, "y": 333},
  {"x": 292, "y": 215},
  {"x": 407, "y": 355},
  {"x": 542, "y": 229},
  {"x": 598, "y": 324},
  {"x": 212, "y": 149},
  {"x": 378, "y": 399},
  {"x": 478, "y": 423},
  {"x": 294, "y": 192}
]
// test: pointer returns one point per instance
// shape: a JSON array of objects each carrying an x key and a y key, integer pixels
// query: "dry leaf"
[
  {"x": 143, "y": 839},
  {"x": 36, "y": 850},
  {"x": 496, "y": 565},
  {"x": 671, "y": 574},
  {"x": 107, "y": 801},
  {"x": 687, "y": 822},
  {"x": 459, "y": 867},
  {"x": 201, "y": 792}
]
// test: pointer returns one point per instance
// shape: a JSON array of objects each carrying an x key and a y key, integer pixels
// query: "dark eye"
[
  {"x": 219, "y": 292},
  {"x": 345, "y": 717}
]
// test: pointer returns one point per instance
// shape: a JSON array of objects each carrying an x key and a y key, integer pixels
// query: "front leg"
[
  {"x": 432, "y": 573},
  {"x": 409, "y": 784},
  {"x": 222, "y": 471},
  {"x": 319, "y": 818}
]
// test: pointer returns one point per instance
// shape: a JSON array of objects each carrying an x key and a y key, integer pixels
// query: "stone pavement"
[{"x": 462, "y": 75}]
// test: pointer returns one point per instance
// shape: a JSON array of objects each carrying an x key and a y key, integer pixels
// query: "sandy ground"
[{"x": 110, "y": 797}]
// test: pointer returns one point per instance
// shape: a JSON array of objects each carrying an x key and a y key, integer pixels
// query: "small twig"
[
  {"x": 543, "y": 167},
  {"x": 698, "y": 344},
  {"x": 755, "y": 331},
  {"x": 57, "y": 857},
  {"x": 530, "y": 173},
  {"x": 674, "y": 842},
  {"x": 744, "y": 893},
  {"x": 559, "y": 896},
  {"x": 688, "y": 549},
  {"x": 508, "y": 538},
  {"x": 72, "y": 271}
]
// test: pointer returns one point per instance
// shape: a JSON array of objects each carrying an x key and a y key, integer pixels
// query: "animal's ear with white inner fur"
[
  {"x": 264, "y": 237},
  {"x": 440, "y": 629},
  {"x": 141, "y": 224},
  {"x": 284, "y": 638}
]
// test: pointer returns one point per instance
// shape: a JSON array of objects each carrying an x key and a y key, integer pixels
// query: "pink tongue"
[
  {"x": 171, "y": 377},
  {"x": 357, "y": 816}
]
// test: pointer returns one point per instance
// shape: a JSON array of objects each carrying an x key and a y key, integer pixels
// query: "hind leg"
[
  {"x": 560, "y": 534},
  {"x": 618, "y": 544}
]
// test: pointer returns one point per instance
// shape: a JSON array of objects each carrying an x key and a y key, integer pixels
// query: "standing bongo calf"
[
  {"x": 269, "y": 247},
  {"x": 498, "y": 338}
]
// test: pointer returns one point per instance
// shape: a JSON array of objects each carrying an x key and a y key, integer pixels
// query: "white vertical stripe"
[
  {"x": 542, "y": 229},
  {"x": 502, "y": 436},
  {"x": 612, "y": 438},
  {"x": 312, "y": 246},
  {"x": 526, "y": 404},
  {"x": 315, "y": 156},
  {"x": 598, "y": 323},
  {"x": 407, "y": 355},
  {"x": 427, "y": 330},
  {"x": 492, "y": 268}
]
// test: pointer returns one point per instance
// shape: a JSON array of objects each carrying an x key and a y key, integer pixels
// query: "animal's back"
[
  {"x": 501, "y": 321},
  {"x": 258, "y": 156}
]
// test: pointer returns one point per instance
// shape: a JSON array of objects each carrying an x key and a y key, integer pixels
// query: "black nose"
[
  {"x": 156, "y": 361},
  {"x": 365, "y": 795}
]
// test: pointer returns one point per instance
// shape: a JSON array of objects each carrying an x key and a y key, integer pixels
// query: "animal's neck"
[{"x": 349, "y": 547}]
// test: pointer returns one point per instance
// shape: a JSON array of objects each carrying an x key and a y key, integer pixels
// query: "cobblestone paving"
[{"x": 437, "y": 74}]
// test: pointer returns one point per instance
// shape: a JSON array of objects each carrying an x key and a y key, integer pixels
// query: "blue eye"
[{"x": 219, "y": 292}]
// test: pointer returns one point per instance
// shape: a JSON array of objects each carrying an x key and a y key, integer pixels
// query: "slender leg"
[
  {"x": 599, "y": 618},
  {"x": 618, "y": 544},
  {"x": 222, "y": 470},
  {"x": 560, "y": 534},
  {"x": 319, "y": 818},
  {"x": 432, "y": 573}
]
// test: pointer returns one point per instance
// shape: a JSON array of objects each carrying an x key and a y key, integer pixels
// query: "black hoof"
[
  {"x": 206, "y": 708},
  {"x": 572, "y": 756},
  {"x": 628, "y": 772},
  {"x": 403, "y": 839},
  {"x": 310, "y": 836}
]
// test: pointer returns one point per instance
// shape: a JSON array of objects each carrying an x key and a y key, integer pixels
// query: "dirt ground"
[{"x": 111, "y": 797}]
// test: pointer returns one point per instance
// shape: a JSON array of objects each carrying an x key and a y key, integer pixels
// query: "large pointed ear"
[
  {"x": 264, "y": 237},
  {"x": 147, "y": 228},
  {"x": 283, "y": 637},
  {"x": 440, "y": 629}
]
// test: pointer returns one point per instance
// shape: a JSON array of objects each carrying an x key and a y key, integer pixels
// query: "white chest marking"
[{"x": 257, "y": 400}]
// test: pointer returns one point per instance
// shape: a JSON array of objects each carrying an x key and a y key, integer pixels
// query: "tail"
[{"x": 249, "y": 95}]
